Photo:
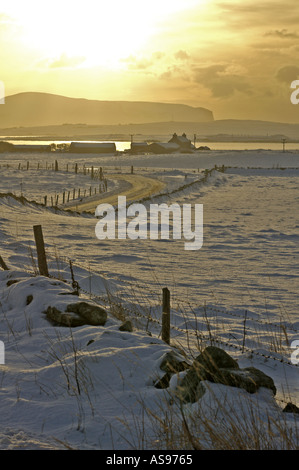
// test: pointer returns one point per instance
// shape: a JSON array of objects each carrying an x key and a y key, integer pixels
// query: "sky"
[{"x": 237, "y": 58}]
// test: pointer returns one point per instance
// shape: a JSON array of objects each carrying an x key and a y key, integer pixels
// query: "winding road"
[{"x": 134, "y": 187}]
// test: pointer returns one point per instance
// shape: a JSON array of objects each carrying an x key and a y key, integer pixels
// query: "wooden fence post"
[
  {"x": 166, "y": 315},
  {"x": 40, "y": 247},
  {"x": 56, "y": 165}
]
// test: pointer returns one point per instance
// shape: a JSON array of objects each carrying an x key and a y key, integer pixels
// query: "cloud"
[
  {"x": 254, "y": 13},
  {"x": 65, "y": 61},
  {"x": 181, "y": 55},
  {"x": 158, "y": 55},
  {"x": 283, "y": 34},
  {"x": 221, "y": 80},
  {"x": 143, "y": 63},
  {"x": 288, "y": 73}
]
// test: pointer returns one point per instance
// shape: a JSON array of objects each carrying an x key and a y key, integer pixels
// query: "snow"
[{"x": 93, "y": 387}]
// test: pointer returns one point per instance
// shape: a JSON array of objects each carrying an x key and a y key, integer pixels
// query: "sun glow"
[{"x": 93, "y": 32}]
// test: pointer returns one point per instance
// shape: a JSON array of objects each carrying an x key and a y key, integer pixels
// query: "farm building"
[
  {"x": 159, "y": 147},
  {"x": 137, "y": 147},
  {"x": 31, "y": 148},
  {"x": 5, "y": 147},
  {"x": 92, "y": 147},
  {"x": 182, "y": 141}
]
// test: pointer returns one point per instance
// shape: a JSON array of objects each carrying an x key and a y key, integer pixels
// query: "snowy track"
[{"x": 134, "y": 187}]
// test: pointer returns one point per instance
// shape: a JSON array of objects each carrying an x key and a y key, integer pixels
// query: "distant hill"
[
  {"x": 218, "y": 130},
  {"x": 44, "y": 109}
]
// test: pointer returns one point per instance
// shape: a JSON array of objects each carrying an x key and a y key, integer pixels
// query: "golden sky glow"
[{"x": 237, "y": 57}]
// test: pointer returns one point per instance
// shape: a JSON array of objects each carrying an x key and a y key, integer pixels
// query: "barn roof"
[
  {"x": 167, "y": 145},
  {"x": 139, "y": 144},
  {"x": 163, "y": 147},
  {"x": 93, "y": 144}
]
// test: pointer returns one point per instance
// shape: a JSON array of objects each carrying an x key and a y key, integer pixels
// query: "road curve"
[{"x": 134, "y": 187}]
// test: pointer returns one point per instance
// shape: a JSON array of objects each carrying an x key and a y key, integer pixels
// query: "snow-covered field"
[{"x": 93, "y": 387}]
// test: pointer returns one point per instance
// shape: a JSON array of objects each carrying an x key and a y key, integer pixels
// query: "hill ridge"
[{"x": 28, "y": 109}]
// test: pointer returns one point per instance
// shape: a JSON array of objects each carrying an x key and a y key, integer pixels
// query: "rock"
[
  {"x": 189, "y": 389},
  {"x": 164, "y": 381},
  {"x": 126, "y": 326},
  {"x": 250, "y": 379},
  {"x": 91, "y": 314},
  {"x": 29, "y": 299},
  {"x": 63, "y": 319},
  {"x": 172, "y": 363},
  {"x": 11, "y": 282},
  {"x": 78, "y": 314},
  {"x": 260, "y": 379},
  {"x": 291, "y": 408},
  {"x": 213, "y": 358},
  {"x": 216, "y": 366}
]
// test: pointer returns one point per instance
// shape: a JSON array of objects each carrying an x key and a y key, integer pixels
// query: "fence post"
[
  {"x": 166, "y": 315},
  {"x": 56, "y": 165},
  {"x": 40, "y": 247}
]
